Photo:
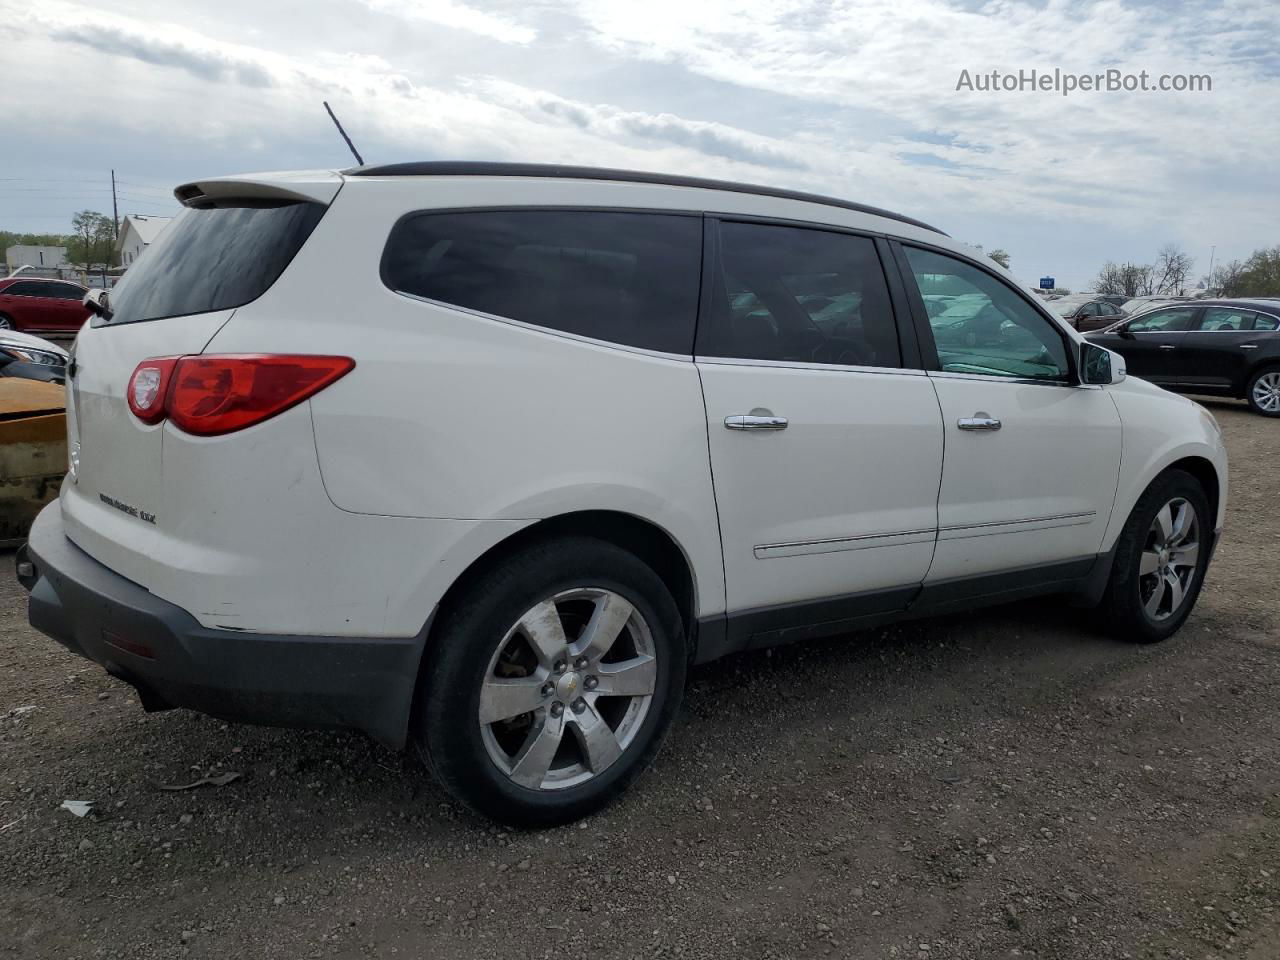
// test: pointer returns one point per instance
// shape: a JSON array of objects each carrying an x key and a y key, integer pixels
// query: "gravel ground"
[{"x": 1008, "y": 783}]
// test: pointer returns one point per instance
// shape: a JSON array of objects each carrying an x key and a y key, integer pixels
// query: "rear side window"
[
  {"x": 629, "y": 278},
  {"x": 213, "y": 259},
  {"x": 795, "y": 294},
  {"x": 65, "y": 291}
]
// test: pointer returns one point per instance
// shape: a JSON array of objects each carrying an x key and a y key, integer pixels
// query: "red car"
[{"x": 34, "y": 303}]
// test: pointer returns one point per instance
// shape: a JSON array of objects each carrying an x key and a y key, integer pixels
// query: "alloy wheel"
[
  {"x": 5, "y": 324},
  {"x": 1266, "y": 392},
  {"x": 568, "y": 688},
  {"x": 1170, "y": 559}
]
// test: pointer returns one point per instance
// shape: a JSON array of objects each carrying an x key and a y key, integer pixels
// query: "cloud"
[
  {"x": 853, "y": 99},
  {"x": 458, "y": 16},
  {"x": 203, "y": 64},
  {"x": 604, "y": 120}
]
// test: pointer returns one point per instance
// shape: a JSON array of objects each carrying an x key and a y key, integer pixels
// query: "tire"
[
  {"x": 503, "y": 627},
  {"x": 1130, "y": 606},
  {"x": 1263, "y": 392},
  {"x": 6, "y": 322}
]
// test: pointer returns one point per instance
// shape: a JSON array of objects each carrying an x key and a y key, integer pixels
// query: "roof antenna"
[{"x": 351, "y": 146}]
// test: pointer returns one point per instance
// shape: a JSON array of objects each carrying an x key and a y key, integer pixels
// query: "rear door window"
[
  {"x": 799, "y": 295},
  {"x": 627, "y": 278},
  {"x": 215, "y": 258}
]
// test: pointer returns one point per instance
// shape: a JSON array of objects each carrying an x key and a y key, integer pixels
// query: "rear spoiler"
[{"x": 316, "y": 186}]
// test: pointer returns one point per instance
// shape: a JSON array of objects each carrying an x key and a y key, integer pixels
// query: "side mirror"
[
  {"x": 1099, "y": 366},
  {"x": 97, "y": 303}
]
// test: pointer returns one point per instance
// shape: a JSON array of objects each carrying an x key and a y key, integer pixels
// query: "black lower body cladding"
[{"x": 363, "y": 683}]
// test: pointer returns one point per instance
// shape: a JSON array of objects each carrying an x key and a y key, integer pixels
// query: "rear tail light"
[
  {"x": 221, "y": 393},
  {"x": 147, "y": 388}
]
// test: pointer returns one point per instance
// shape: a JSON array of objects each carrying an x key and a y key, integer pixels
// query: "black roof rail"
[{"x": 454, "y": 168}]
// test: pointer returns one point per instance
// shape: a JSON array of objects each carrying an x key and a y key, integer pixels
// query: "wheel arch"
[
  {"x": 639, "y": 536},
  {"x": 1204, "y": 471}
]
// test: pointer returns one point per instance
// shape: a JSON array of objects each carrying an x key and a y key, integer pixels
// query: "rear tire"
[
  {"x": 1160, "y": 560},
  {"x": 1263, "y": 392},
  {"x": 514, "y": 718},
  {"x": 6, "y": 322}
]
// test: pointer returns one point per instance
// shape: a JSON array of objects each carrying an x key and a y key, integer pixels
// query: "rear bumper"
[{"x": 172, "y": 660}]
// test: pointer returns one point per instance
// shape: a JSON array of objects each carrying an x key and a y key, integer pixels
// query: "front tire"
[
  {"x": 1160, "y": 560},
  {"x": 551, "y": 681},
  {"x": 1263, "y": 392},
  {"x": 6, "y": 322}
]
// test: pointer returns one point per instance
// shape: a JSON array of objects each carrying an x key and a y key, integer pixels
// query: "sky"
[{"x": 854, "y": 99}]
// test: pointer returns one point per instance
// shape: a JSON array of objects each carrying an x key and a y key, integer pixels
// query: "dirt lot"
[{"x": 1008, "y": 783}]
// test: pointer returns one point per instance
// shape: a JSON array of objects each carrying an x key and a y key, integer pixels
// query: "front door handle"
[
  {"x": 751, "y": 422},
  {"x": 979, "y": 422},
  {"x": 1168, "y": 346},
  {"x": 1248, "y": 346}
]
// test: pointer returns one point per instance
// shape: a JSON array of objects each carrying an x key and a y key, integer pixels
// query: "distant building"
[
  {"x": 136, "y": 233},
  {"x": 45, "y": 261}
]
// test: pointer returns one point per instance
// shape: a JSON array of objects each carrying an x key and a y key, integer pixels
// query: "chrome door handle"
[
  {"x": 755, "y": 423},
  {"x": 982, "y": 422},
  {"x": 1167, "y": 346},
  {"x": 1248, "y": 346}
]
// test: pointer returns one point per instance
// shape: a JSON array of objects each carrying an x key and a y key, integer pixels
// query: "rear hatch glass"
[{"x": 212, "y": 258}]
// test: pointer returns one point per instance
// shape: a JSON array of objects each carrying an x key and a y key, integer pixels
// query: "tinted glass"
[
  {"x": 25, "y": 288},
  {"x": 1264, "y": 322},
  {"x": 629, "y": 278},
  {"x": 793, "y": 294},
  {"x": 66, "y": 291},
  {"x": 1160, "y": 321},
  {"x": 1226, "y": 318},
  {"x": 988, "y": 329},
  {"x": 213, "y": 259}
]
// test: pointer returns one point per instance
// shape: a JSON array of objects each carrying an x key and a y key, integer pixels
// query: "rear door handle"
[
  {"x": 751, "y": 422},
  {"x": 1168, "y": 346},
  {"x": 1248, "y": 346},
  {"x": 979, "y": 422}
]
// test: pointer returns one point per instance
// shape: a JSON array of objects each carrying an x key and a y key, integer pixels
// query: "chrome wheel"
[
  {"x": 1170, "y": 559},
  {"x": 1266, "y": 392},
  {"x": 567, "y": 689},
  {"x": 5, "y": 324}
]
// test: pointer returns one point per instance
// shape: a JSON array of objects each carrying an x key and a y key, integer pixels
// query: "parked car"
[
  {"x": 34, "y": 303},
  {"x": 24, "y": 355},
  {"x": 585, "y": 434},
  {"x": 1089, "y": 315},
  {"x": 1139, "y": 304},
  {"x": 1226, "y": 348}
]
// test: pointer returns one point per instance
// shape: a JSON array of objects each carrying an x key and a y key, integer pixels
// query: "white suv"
[{"x": 481, "y": 457}]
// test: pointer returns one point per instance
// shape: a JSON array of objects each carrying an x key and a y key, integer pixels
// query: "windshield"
[{"x": 213, "y": 259}]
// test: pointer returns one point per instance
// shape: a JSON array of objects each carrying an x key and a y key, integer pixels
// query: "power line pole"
[{"x": 115, "y": 212}]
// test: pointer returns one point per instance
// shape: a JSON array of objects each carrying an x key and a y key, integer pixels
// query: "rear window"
[
  {"x": 213, "y": 259},
  {"x": 629, "y": 278}
]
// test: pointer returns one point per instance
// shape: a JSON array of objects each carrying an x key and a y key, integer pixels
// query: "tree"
[
  {"x": 1125, "y": 279},
  {"x": 1172, "y": 268},
  {"x": 94, "y": 239},
  {"x": 1000, "y": 257},
  {"x": 1261, "y": 275},
  {"x": 1227, "y": 279}
]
